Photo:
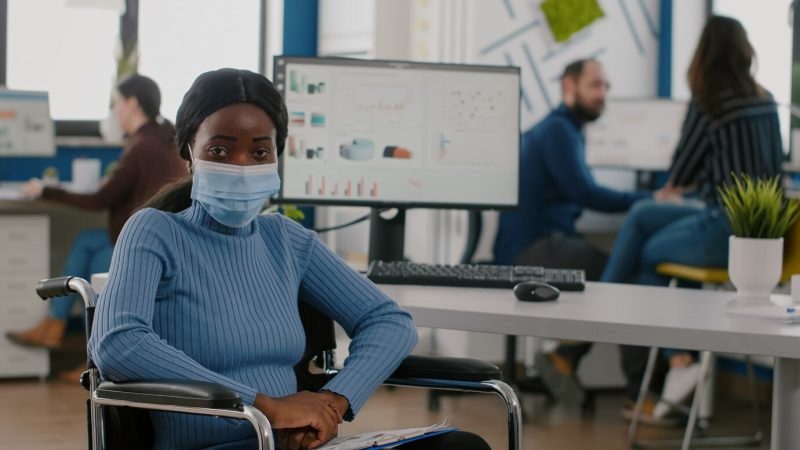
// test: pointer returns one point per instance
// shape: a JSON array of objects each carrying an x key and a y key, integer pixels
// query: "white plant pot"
[{"x": 754, "y": 267}]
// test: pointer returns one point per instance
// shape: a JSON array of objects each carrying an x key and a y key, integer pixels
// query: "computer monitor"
[
  {"x": 639, "y": 134},
  {"x": 399, "y": 134},
  {"x": 26, "y": 128}
]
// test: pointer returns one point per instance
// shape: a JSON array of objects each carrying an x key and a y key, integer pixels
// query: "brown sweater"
[{"x": 149, "y": 162}]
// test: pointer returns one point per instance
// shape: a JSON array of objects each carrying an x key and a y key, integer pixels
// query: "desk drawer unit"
[
  {"x": 24, "y": 260},
  {"x": 20, "y": 307},
  {"x": 16, "y": 361},
  {"x": 24, "y": 243}
]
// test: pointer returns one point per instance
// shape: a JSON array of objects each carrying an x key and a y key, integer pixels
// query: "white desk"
[
  {"x": 625, "y": 314},
  {"x": 622, "y": 314}
]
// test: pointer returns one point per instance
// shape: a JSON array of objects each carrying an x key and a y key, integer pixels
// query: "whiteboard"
[
  {"x": 26, "y": 128},
  {"x": 635, "y": 134}
]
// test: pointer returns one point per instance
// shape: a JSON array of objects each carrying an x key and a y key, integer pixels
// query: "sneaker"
[
  {"x": 647, "y": 416},
  {"x": 678, "y": 385},
  {"x": 560, "y": 380}
]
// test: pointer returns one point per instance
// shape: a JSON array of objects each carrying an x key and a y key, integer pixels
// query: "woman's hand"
[
  {"x": 306, "y": 438},
  {"x": 299, "y": 439},
  {"x": 669, "y": 194},
  {"x": 338, "y": 402},
  {"x": 310, "y": 412},
  {"x": 32, "y": 189}
]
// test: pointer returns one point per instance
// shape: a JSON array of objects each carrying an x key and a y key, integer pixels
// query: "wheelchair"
[{"x": 117, "y": 412}]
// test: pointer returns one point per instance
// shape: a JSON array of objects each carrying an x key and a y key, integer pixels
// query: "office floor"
[{"x": 38, "y": 415}]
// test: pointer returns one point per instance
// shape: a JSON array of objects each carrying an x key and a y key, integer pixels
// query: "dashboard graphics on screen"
[{"x": 410, "y": 134}]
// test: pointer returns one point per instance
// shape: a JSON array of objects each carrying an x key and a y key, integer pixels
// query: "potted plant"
[
  {"x": 290, "y": 211},
  {"x": 759, "y": 216}
]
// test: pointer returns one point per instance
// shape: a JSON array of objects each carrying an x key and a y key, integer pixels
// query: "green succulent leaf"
[
  {"x": 757, "y": 208},
  {"x": 290, "y": 211}
]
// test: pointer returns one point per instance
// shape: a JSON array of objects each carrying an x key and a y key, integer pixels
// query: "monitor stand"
[{"x": 386, "y": 236}]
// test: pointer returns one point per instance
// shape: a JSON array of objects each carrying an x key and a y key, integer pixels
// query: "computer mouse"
[{"x": 535, "y": 291}]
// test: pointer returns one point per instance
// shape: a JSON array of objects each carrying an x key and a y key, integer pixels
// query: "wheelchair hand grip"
[{"x": 53, "y": 287}]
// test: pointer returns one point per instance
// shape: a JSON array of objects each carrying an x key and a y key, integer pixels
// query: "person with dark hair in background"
[
  {"x": 555, "y": 186},
  {"x": 731, "y": 129},
  {"x": 148, "y": 162},
  {"x": 202, "y": 287}
]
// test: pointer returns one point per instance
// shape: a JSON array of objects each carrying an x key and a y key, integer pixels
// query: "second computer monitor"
[
  {"x": 637, "y": 134},
  {"x": 387, "y": 133}
]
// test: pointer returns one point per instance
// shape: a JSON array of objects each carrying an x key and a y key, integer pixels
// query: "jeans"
[
  {"x": 661, "y": 232},
  {"x": 90, "y": 253}
]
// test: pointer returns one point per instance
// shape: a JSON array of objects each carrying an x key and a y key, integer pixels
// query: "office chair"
[
  {"x": 117, "y": 412},
  {"x": 699, "y": 412}
]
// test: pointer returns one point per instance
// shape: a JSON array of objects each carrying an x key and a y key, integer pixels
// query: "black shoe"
[{"x": 564, "y": 387}]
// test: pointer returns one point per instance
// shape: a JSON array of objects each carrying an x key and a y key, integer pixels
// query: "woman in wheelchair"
[{"x": 202, "y": 287}]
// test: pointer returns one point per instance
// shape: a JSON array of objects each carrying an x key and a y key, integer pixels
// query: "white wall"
[
  {"x": 364, "y": 28},
  {"x": 515, "y": 32},
  {"x": 274, "y": 38},
  {"x": 769, "y": 30},
  {"x": 497, "y": 32},
  {"x": 346, "y": 28},
  {"x": 688, "y": 19}
]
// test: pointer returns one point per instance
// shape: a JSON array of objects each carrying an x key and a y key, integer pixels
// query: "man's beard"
[{"x": 586, "y": 114}]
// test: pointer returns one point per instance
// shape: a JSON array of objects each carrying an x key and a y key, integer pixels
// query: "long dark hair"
[
  {"x": 209, "y": 93},
  {"x": 148, "y": 95},
  {"x": 722, "y": 61}
]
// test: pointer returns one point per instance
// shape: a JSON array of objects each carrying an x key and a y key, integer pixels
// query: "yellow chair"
[
  {"x": 702, "y": 399},
  {"x": 719, "y": 275}
]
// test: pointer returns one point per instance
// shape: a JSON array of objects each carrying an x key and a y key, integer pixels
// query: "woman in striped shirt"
[{"x": 731, "y": 127}]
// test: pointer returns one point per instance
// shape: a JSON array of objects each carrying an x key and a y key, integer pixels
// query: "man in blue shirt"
[{"x": 555, "y": 186}]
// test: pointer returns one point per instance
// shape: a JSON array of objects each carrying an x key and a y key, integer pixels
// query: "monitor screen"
[
  {"x": 636, "y": 134},
  {"x": 26, "y": 128},
  {"x": 389, "y": 133}
]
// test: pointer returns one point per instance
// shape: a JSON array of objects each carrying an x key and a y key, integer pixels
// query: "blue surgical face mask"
[{"x": 234, "y": 195}]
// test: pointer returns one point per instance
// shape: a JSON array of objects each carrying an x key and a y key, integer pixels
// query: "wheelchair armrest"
[
  {"x": 189, "y": 394},
  {"x": 446, "y": 368}
]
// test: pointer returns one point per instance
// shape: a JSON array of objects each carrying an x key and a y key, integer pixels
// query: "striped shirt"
[
  {"x": 744, "y": 139},
  {"x": 189, "y": 298}
]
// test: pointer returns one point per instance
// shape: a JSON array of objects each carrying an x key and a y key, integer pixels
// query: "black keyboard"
[{"x": 473, "y": 275}]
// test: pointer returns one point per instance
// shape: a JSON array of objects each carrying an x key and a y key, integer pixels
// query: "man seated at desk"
[{"x": 555, "y": 186}]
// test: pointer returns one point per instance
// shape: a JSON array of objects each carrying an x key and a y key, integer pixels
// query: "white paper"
[
  {"x": 10, "y": 194},
  {"x": 85, "y": 174},
  {"x": 375, "y": 438},
  {"x": 780, "y": 309}
]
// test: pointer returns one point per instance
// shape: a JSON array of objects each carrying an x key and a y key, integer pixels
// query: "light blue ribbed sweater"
[{"x": 189, "y": 298}]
